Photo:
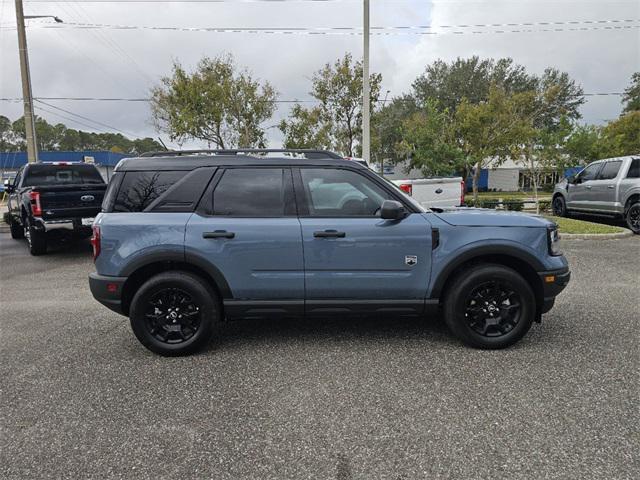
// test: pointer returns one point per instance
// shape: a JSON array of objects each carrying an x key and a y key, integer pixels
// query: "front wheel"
[
  {"x": 489, "y": 306},
  {"x": 559, "y": 206},
  {"x": 174, "y": 313},
  {"x": 633, "y": 218}
]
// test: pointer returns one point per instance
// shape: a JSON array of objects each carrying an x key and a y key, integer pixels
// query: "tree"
[
  {"x": 487, "y": 131},
  {"x": 59, "y": 137},
  {"x": 216, "y": 103},
  {"x": 306, "y": 129},
  {"x": 338, "y": 89},
  {"x": 470, "y": 79},
  {"x": 585, "y": 144},
  {"x": 428, "y": 140},
  {"x": 387, "y": 129},
  {"x": 631, "y": 97},
  {"x": 623, "y": 135}
]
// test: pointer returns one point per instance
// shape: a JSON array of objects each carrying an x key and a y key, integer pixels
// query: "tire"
[
  {"x": 156, "y": 314},
  {"x": 633, "y": 218},
  {"x": 37, "y": 241},
  {"x": 17, "y": 232},
  {"x": 509, "y": 301},
  {"x": 559, "y": 206}
]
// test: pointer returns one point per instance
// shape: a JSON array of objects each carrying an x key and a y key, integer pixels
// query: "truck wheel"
[
  {"x": 559, "y": 206},
  {"x": 633, "y": 218},
  {"x": 37, "y": 241},
  {"x": 174, "y": 313},
  {"x": 17, "y": 231},
  {"x": 489, "y": 306}
]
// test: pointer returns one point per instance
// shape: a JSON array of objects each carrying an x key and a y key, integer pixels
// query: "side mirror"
[
  {"x": 392, "y": 210},
  {"x": 8, "y": 186}
]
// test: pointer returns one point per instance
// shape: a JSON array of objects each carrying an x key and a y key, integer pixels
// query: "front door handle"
[
  {"x": 329, "y": 234},
  {"x": 218, "y": 234},
  {"x": 611, "y": 187},
  {"x": 588, "y": 186}
]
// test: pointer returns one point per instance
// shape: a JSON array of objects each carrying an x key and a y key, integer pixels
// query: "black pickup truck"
[{"x": 56, "y": 199}]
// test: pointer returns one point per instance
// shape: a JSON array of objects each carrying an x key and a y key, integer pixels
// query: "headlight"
[{"x": 553, "y": 237}]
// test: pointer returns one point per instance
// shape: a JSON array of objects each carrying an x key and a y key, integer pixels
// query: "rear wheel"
[
  {"x": 559, "y": 206},
  {"x": 633, "y": 218},
  {"x": 174, "y": 313},
  {"x": 489, "y": 306},
  {"x": 17, "y": 231},
  {"x": 36, "y": 240}
]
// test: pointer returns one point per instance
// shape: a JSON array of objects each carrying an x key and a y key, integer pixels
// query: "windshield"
[{"x": 61, "y": 175}]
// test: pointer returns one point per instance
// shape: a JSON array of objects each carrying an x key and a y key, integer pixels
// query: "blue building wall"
[
  {"x": 14, "y": 160},
  {"x": 483, "y": 181}
]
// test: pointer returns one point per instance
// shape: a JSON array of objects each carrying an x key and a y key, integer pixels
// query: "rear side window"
[
  {"x": 44, "y": 174},
  {"x": 252, "y": 192},
  {"x": 634, "y": 169},
  {"x": 139, "y": 189},
  {"x": 610, "y": 170}
]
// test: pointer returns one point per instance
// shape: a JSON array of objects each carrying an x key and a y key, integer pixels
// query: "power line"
[
  {"x": 378, "y": 31},
  {"x": 86, "y": 118}
]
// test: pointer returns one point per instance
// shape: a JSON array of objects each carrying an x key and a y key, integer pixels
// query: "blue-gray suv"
[{"x": 189, "y": 239}]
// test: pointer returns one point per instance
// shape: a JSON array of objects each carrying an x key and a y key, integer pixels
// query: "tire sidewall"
[
  {"x": 201, "y": 294},
  {"x": 628, "y": 218},
  {"x": 561, "y": 212},
  {"x": 455, "y": 306},
  {"x": 36, "y": 241}
]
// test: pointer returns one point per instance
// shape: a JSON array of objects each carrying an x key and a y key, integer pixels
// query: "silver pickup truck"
[{"x": 606, "y": 187}]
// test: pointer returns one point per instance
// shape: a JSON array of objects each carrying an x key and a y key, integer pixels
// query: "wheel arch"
[
  {"x": 633, "y": 198},
  {"x": 139, "y": 273},
  {"x": 522, "y": 262}
]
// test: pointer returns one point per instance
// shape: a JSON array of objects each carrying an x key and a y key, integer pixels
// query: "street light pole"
[
  {"x": 366, "y": 94},
  {"x": 27, "y": 97}
]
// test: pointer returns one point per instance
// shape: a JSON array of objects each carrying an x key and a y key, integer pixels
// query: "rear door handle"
[
  {"x": 611, "y": 187},
  {"x": 329, "y": 234},
  {"x": 588, "y": 186},
  {"x": 218, "y": 234}
]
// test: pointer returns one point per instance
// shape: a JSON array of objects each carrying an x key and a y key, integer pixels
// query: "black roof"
[{"x": 191, "y": 159}]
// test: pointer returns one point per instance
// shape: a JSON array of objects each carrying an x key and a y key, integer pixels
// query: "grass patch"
[
  {"x": 507, "y": 196},
  {"x": 571, "y": 225}
]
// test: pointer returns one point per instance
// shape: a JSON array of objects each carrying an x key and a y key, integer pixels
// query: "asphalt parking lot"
[{"x": 336, "y": 399}]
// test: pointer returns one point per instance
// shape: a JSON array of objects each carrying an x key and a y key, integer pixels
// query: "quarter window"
[
  {"x": 139, "y": 189},
  {"x": 634, "y": 169},
  {"x": 610, "y": 170},
  {"x": 333, "y": 192},
  {"x": 252, "y": 192}
]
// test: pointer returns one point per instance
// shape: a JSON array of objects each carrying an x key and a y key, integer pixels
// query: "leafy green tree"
[
  {"x": 429, "y": 142},
  {"x": 216, "y": 103},
  {"x": 338, "y": 89},
  {"x": 387, "y": 129},
  {"x": 585, "y": 144},
  {"x": 306, "y": 128},
  {"x": 623, "y": 135},
  {"x": 631, "y": 97},
  {"x": 470, "y": 79}
]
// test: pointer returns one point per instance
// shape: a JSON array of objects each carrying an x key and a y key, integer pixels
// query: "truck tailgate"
[
  {"x": 69, "y": 201},
  {"x": 434, "y": 192}
]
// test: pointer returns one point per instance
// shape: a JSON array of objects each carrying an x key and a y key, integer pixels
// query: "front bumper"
[
  {"x": 553, "y": 282},
  {"x": 107, "y": 290}
]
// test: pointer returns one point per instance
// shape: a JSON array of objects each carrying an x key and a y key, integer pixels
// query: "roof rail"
[{"x": 308, "y": 153}]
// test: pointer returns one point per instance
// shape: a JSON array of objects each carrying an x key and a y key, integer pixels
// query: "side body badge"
[{"x": 411, "y": 260}]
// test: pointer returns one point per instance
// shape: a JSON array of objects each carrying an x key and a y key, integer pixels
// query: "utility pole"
[
  {"x": 27, "y": 97},
  {"x": 366, "y": 93}
]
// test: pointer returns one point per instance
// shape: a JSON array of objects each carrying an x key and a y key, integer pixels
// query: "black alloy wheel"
[
  {"x": 559, "y": 206},
  {"x": 633, "y": 218},
  {"x": 489, "y": 306},
  {"x": 493, "y": 309},
  {"x": 172, "y": 316},
  {"x": 174, "y": 313}
]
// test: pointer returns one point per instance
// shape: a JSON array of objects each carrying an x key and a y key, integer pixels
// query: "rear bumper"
[
  {"x": 107, "y": 290},
  {"x": 553, "y": 282},
  {"x": 61, "y": 225}
]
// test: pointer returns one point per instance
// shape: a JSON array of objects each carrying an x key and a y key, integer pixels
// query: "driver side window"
[
  {"x": 589, "y": 173},
  {"x": 334, "y": 192}
]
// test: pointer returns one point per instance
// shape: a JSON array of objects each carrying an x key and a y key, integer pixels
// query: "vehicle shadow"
[{"x": 69, "y": 247}]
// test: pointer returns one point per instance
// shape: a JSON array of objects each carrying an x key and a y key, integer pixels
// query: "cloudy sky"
[{"x": 125, "y": 63}]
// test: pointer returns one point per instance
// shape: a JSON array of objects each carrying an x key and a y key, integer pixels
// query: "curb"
[{"x": 596, "y": 236}]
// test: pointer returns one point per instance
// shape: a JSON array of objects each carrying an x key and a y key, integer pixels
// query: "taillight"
[
  {"x": 406, "y": 188},
  {"x": 36, "y": 209},
  {"x": 463, "y": 188},
  {"x": 95, "y": 241}
]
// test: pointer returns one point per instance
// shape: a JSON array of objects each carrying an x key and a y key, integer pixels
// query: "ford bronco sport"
[{"x": 188, "y": 239}]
